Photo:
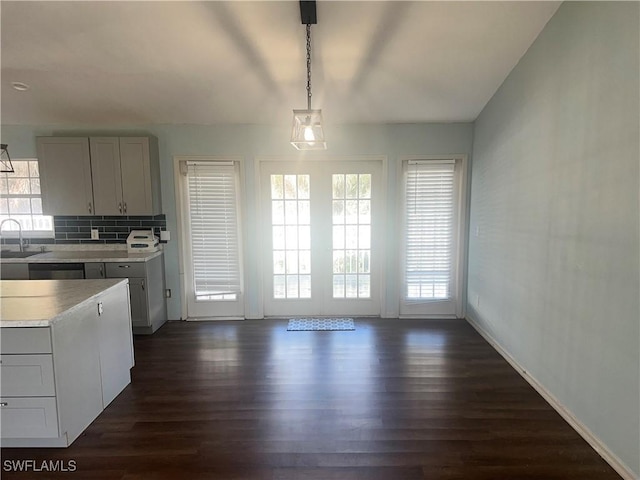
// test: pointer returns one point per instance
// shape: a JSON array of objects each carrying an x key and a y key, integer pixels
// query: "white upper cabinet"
[
  {"x": 106, "y": 175},
  {"x": 137, "y": 173},
  {"x": 124, "y": 176},
  {"x": 65, "y": 176}
]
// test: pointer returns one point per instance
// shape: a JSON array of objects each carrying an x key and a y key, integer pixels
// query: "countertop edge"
[
  {"x": 56, "y": 318},
  {"x": 46, "y": 257}
]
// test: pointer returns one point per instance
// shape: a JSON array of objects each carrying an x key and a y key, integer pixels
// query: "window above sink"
[{"x": 20, "y": 199}]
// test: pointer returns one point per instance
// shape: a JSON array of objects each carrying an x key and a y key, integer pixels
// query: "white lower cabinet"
[
  {"x": 27, "y": 375},
  {"x": 28, "y": 407},
  {"x": 146, "y": 289},
  {"x": 29, "y": 417},
  {"x": 56, "y": 380}
]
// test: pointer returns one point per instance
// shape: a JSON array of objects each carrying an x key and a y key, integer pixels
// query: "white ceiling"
[{"x": 133, "y": 63}]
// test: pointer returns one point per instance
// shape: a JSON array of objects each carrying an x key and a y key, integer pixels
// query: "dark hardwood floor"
[{"x": 395, "y": 399}]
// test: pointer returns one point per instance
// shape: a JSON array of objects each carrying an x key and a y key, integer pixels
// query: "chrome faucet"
[{"x": 19, "y": 230}]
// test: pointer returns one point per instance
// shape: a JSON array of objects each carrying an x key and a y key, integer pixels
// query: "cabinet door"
[
  {"x": 136, "y": 175},
  {"x": 116, "y": 343},
  {"x": 29, "y": 417},
  {"x": 138, "y": 294},
  {"x": 94, "y": 270},
  {"x": 27, "y": 375},
  {"x": 106, "y": 175},
  {"x": 65, "y": 175}
]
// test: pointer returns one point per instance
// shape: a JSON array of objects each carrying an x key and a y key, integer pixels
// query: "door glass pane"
[
  {"x": 305, "y": 286},
  {"x": 304, "y": 264},
  {"x": 304, "y": 212},
  {"x": 303, "y": 186},
  {"x": 290, "y": 186},
  {"x": 278, "y": 262},
  {"x": 277, "y": 212},
  {"x": 351, "y": 235},
  {"x": 291, "y": 230},
  {"x": 338, "y": 212},
  {"x": 351, "y": 185},
  {"x": 277, "y": 186}
]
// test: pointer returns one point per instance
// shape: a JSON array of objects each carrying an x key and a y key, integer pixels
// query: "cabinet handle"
[
  {"x": 124, "y": 266},
  {"x": 125, "y": 207},
  {"x": 90, "y": 208},
  {"x": 142, "y": 284},
  {"x": 120, "y": 207},
  {"x": 101, "y": 271},
  {"x": 4, "y": 404}
]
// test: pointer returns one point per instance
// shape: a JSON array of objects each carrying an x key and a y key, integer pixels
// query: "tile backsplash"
[{"x": 112, "y": 229}]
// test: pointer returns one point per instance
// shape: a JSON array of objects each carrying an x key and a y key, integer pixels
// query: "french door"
[{"x": 321, "y": 234}]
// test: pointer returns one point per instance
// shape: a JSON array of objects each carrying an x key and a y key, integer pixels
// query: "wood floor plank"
[{"x": 394, "y": 399}]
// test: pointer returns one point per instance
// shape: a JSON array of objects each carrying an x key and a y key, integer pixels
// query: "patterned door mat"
[{"x": 299, "y": 324}]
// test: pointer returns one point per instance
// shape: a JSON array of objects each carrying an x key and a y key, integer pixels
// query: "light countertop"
[
  {"x": 81, "y": 256},
  {"x": 39, "y": 303}
]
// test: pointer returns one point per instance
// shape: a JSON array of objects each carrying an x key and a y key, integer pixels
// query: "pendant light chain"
[{"x": 308, "y": 66}]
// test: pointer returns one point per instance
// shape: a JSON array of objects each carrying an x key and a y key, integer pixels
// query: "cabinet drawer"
[
  {"x": 126, "y": 270},
  {"x": 94, "y": 270},
  {"x": 14, "y": 271},
  {"x": 27, "y": 375},
  {"x": 29, "y": 417},
  {"x": 25, "y": 340}
]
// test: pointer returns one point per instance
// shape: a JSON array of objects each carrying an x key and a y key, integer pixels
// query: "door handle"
[
  {"x": 125, "y": 207},
  {"x": 90, "y": 208},
  {"x": 120, "y": 207}
]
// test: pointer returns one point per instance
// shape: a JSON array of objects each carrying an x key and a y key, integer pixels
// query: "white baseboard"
[
  {"x": 212, "y": 319},
  {"x": 612, "y": 459}
]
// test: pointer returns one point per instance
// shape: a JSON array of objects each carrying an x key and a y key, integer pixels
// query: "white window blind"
[
  {"x": 213, "y": 222},
  {"x": 429, "y": 227}
]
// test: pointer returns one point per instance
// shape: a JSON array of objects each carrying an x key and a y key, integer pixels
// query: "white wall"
[
  {"x": 554, "y": 266},
  {"x": 251, "y": 141}
]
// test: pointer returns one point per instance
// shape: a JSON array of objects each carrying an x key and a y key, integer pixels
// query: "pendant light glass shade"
[
  {"x": 5, "y": 160},
  {"x": 307, "y": 132}
]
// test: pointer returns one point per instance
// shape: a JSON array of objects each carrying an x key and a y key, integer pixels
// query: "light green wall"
[
  {"x": 251, "y": 141},
  {"x": 554, "y": 265}
]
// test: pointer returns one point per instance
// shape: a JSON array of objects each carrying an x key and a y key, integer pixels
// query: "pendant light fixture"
[
  {"x": 307, "y": 132},
  {"x": 5, "y": 160}
]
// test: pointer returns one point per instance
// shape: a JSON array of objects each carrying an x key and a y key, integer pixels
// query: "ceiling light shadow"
[
  {"x": 242, "y": 39},
  {"x": 390, "y": 21}
]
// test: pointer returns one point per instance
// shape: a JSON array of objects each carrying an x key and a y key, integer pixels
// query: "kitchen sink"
[{"x": 10, "y": 254}]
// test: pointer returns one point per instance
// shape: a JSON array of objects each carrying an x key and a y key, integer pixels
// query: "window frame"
[
  {"x": 435, "y": 308},
  {"x": 229, "y": 308},
  {"x": 11, "y": 233},
  {"x": 426, "y": 215},
  {"x": 221, "y": 169}
]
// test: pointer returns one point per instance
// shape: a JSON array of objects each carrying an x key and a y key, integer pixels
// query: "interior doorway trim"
[{"x": 180, "y": 218}]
